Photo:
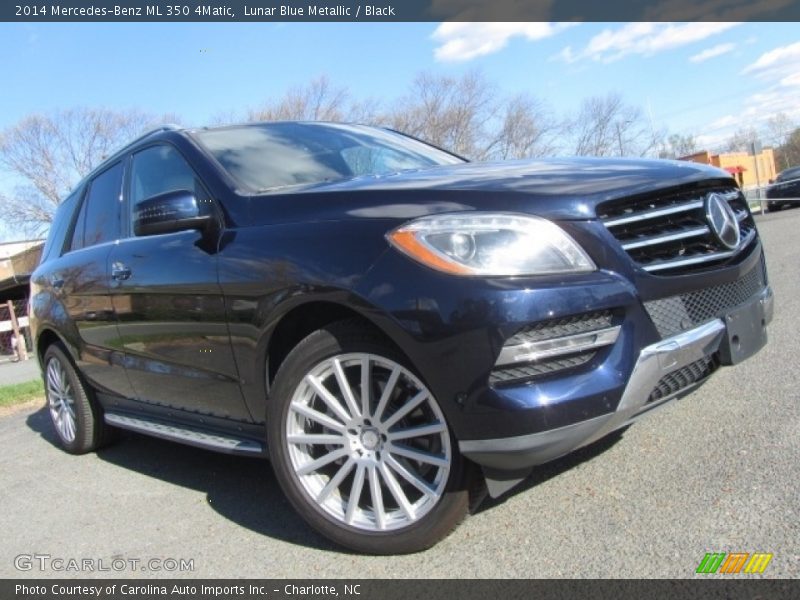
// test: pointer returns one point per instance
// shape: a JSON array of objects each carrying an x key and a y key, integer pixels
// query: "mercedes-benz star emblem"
[{"x": 722, "y": 221}]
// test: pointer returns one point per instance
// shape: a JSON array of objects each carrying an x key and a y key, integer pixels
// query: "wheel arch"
[
  {"x": 296, "y": 319},
  {"x": 300, "y": 321},
  {"x": 46, "y": 338}
]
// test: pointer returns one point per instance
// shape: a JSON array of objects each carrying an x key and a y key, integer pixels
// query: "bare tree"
[
  {"x": 780, "y": 128},
  {"x": 789, "y": 152},
  {"x": 606, "y": 126},
  {"x": 319, "y": 100},
  {"x": 453, "y": 113},
  {"x": 527, "y": 130},
  {"x": 227, "y": 117},
  {"x": 742, "y": 140},
  {"x": 678, "y": 146},
  {"x": 49, "y": 154}
]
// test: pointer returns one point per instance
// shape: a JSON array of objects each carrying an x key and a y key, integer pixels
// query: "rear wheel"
[
  {"x": 361, "y": 446},
  {"x": 74, "y": 411}
]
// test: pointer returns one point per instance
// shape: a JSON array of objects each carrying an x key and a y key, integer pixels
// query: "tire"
[
  {"x": 74, "y": 411},
  {"x": 420, "y": 502}
]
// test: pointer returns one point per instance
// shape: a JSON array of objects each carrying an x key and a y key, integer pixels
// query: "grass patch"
[{"x": 18, "y": 393}]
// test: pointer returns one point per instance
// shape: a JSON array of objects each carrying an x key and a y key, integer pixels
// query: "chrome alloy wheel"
[
  {"x": 60, "y": 400},
  {"x": 368, "y": 442}
]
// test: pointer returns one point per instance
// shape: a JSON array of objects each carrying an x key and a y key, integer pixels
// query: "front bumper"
[{"x": 656, "y": 361}]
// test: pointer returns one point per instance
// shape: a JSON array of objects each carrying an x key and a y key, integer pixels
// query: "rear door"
[
  {"x": 80, "y": 279},
  {"x": 168, "y": 301}
]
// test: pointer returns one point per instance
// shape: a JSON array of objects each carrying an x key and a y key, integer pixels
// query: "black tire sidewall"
[
  {"x": 88, "y": 419},
  {"x": 436, "y": 524}
]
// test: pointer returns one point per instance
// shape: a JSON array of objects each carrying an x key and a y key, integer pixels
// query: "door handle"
[{"x": 120, "y": 272}]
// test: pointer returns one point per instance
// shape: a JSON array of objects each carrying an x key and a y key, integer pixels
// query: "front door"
[{"x": 169, "y": 305}]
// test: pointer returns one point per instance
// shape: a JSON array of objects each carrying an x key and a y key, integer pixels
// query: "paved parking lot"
[
  {"x": 717, "y": 471},
  {"x": 20, "y": 371}
]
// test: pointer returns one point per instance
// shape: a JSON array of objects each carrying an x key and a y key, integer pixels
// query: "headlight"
[{"x": 491, "y": 244}]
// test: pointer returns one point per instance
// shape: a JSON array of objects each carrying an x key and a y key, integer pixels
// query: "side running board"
[{"x": 210, "y": 440}]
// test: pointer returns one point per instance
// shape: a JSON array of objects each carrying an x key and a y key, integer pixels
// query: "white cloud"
[
  {"x": 779, "y": 72},
  {"x": 780, "y": 65},
  {"x": 713, "y": 142},
  {"x": 644, "y": 39},
  {"x": 792, "y": 80},
  {"x": 464, "y": 41},
  {"x": 723, "y": 122},
  {"x": 781, "y": 88},
  {"x": 713, "y": 52}
]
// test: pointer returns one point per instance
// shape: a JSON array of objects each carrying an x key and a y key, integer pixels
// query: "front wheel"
[{"x": 361, "y": 447}]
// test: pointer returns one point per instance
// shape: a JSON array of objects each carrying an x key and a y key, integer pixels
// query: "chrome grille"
[
  {"x": 668, "y": 234},
  {"x": 678, "y": 313}
]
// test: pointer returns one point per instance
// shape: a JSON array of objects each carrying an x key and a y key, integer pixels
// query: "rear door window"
[{"x": 99, "y": 219}]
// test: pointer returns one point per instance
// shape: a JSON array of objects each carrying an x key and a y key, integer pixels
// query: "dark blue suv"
[{"x": 394, "y": 327}]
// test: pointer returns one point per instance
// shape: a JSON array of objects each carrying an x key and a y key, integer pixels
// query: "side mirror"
[{"x": 169, "y": 212}]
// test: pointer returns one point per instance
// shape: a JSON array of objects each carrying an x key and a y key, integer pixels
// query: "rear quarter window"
[{"x": 54, "y": 245}]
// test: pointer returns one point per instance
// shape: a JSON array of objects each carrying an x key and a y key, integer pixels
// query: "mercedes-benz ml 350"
[{"x": 394, "y": 327}]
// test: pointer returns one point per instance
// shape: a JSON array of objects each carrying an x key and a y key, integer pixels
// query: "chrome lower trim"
[
  {"x": 658, "y": 360},
  {"x": 654, "y": 362},
  {"x": 567, "y": 344},
  {"x": 515, "y": 454},
  {"x": 768, "y": 303}
]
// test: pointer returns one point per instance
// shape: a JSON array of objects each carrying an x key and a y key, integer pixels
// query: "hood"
[{"x": 554, "y": 188}]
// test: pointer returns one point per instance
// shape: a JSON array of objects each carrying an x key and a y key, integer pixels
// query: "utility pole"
[
  {"x": 619, "y": 138},
  {"x": 756, "y": 149}
]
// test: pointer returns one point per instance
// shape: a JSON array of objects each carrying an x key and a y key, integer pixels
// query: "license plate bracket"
[{"x": 746, "y": 332}]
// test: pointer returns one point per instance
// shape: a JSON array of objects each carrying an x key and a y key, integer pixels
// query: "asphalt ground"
[{"x": 718, "y": 471}]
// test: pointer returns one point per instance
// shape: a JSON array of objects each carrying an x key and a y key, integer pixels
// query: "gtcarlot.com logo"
[
  {"x": 116, "y": 564},
  {"x": 734, "y": 562}
]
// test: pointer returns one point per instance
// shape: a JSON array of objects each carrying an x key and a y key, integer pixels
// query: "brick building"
[{"x": 749, "y": 170}]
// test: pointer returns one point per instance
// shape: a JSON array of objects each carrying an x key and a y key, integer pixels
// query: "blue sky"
[{"x": 705, "y": 79}]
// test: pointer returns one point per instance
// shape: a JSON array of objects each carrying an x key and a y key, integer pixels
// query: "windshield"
[
  {"x": 265, "y": 156},
  {"x": 788, "y": 175}
]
